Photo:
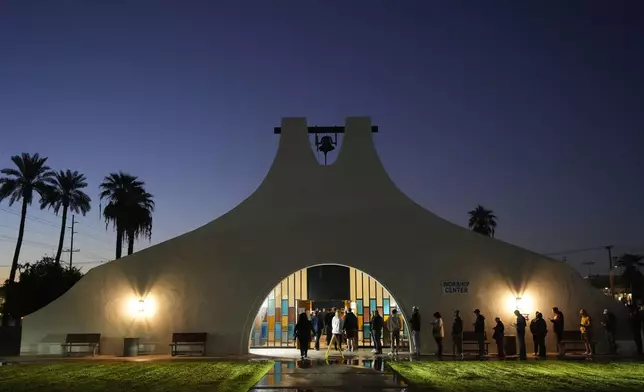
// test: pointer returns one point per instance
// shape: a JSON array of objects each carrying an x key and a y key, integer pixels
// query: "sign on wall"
[{"x": 455, "y": 287}]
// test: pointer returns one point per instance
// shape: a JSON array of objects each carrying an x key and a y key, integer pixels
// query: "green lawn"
[
  {"x": 513, "y": 376},
  {"x": 225, "y": 376}
]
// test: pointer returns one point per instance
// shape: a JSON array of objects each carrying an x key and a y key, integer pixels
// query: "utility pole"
[
  {"x": 611, "y": 274},
  {"x": 71, "y": 249}
]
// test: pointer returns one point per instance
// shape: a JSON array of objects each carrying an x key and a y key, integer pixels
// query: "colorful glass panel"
[
  {"x": 366, "y": 330},
  {"x": 271, "y": 307},
  {"x": 372, "y": 304},
  {"x": 385, "y": 305},
  {"x": 278, "y": 331}
]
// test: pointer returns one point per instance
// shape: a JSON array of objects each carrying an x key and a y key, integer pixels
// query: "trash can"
[
  {"x": 130, "y": 347},
  {"x": 510, "y": 345}
]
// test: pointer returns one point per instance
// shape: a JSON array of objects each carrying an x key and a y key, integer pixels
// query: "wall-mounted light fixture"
[
  {"x": 519, "y": 304},
  {"x": 142, "y": 307}
]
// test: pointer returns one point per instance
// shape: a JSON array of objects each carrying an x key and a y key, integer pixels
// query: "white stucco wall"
[{"x": 215, "y": 278}]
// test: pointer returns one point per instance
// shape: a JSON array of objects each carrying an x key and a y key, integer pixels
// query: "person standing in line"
[
  {"x": 539, "y": 330},
  {"x": 479, "y": 331},
  {"x": 303, "y": 332},
  {"x": 439, "y": 333},
  {"x": 318, "y": 327},
  {"x": 351, "y": 330},
  {"x": 414, "y": 321},
  {"x": 586, "y": 329},
  {"x": 609, "y": 323},
  {"x": 535, "y": 343},
  {"x": 328, "y": 325},
  {"x": 635, "y": 322},
  {"x": 498, "y": 336},
  {"x": 393, "y": 324},
  {"x": 520, "y": 325},
  {"x": 336, "y": 329},
  {"x": 457, "y": 334},
  {"x": 377, "y": 323},
  {"x": 557, "y": 321}
]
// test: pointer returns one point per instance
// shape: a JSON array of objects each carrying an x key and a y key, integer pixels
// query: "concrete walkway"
[{"x": 334, "y": 374}]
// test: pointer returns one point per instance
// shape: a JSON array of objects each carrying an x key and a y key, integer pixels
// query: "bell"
[{"x": 326, "y": 144}]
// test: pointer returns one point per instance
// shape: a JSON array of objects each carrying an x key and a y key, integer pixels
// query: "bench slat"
[
  {"x": 83, "y": 338},
  {"x": 189, "y": 337}
]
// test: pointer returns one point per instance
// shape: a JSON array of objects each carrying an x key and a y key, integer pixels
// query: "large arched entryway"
[{"x": 322, "y": 286}]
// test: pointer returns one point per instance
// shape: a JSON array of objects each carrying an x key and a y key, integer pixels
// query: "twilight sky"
[{"x": 533, "y": 109}]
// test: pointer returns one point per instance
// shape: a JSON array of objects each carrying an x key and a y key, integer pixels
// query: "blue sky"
[{"x": 532, "y": 109}]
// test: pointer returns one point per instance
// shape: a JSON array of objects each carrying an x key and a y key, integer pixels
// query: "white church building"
[{"x": 242, "y": 278}]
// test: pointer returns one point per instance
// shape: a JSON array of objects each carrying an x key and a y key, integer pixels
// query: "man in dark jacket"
[
  {"x": 376, "y": 325},
  {"x": 351, "y": 329},
  {"x": 557, "y": 321},
  {"x": 609, "y": 322},
  {"x": 414, "y": 320},
  {"x": 328, "y": 321},
  {"x": 457, "y": 334},
  {"x": 479, "y": 331},
  {"x": 318, "y": 326},
  {"x": 539, "y": 330},
  {"x": 535, "y": 342},
  {"x": 520, "y": 325}
]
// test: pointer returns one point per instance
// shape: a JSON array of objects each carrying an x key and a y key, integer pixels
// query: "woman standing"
[
  {"x": 303, "y": 332},
  {"x": 438, "y": 332},
  {"x": 586, "y": 329},
  {"x": 336, "y": 330}
]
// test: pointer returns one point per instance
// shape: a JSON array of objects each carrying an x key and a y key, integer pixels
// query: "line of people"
[
  {"x": 340, "y": 327},
  {"x": 538, "y": 328}
]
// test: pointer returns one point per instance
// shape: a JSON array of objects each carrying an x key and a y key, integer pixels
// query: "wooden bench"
[
  {"x": 89, "y": 340},
  {"x": 189, "y": 339},
  {"x": 469, "y": 339},
  {"x": 572, "y": 341}
]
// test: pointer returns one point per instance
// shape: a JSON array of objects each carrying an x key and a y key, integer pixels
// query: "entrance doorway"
[{"x": 322, "y": 287}]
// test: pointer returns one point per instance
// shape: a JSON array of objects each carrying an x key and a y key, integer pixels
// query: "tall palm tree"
[
  {"x": 31, "y": 175},
  {"x": 482, "y": 221},
  {"x": 67, "y": 193},
  {"x": 129, "y": 209},
  {"x": 139, "y": 219}
]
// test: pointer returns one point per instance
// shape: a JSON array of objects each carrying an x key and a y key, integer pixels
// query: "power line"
[{"x": 603, "y": 247}]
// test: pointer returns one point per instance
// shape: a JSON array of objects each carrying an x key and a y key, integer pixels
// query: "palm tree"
[
  {"x": 631, "y": 264},
  {"x": 139, "y": 219},
  {"x": 67, "y": 193},
  {"x": 129, "y": 209},
  {"x": 30, "y": 175},
  {"x": 482, "y": 221}
]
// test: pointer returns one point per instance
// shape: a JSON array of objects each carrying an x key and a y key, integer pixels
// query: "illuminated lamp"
[{"x": 141, "y": 306}]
